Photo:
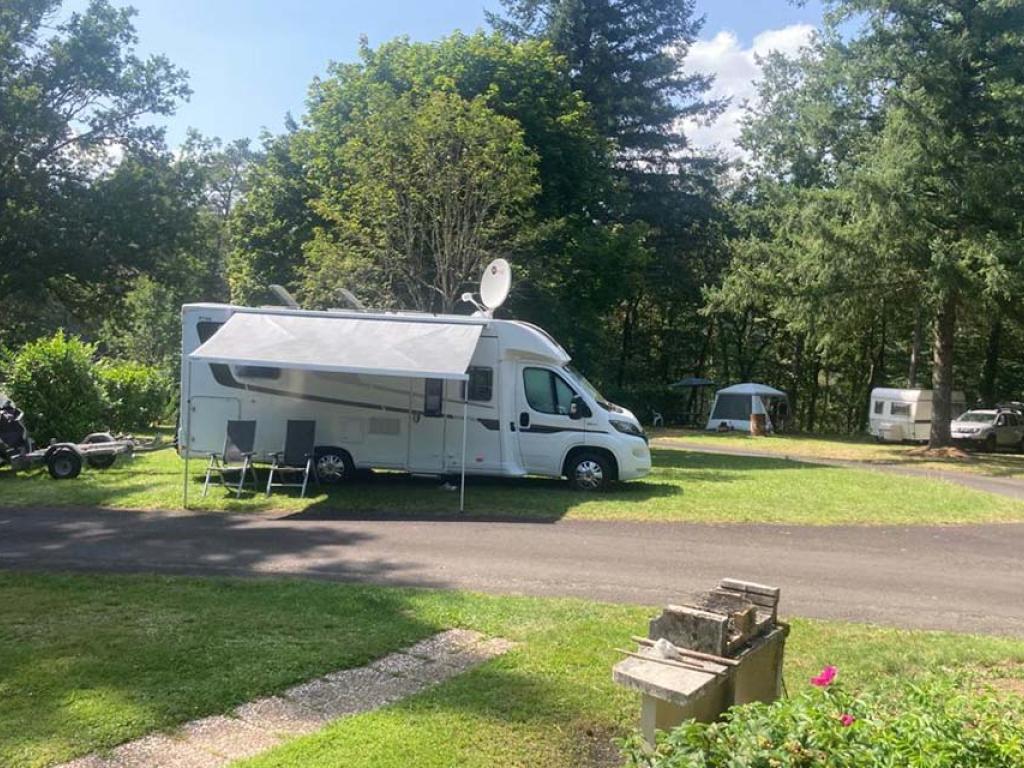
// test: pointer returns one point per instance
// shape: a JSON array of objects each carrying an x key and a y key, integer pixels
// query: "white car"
[{"x": 989, "y": 429}]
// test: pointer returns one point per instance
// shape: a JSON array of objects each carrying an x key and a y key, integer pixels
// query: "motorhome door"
[
  {"x": 546, "y": 432},
  {"x": 426, "y": 427},
  {"x": 208, "y": 426}
]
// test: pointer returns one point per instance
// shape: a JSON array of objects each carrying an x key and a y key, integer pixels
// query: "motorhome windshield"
[
  {"x": 978, "y": 417},
  {"x": 589, "y": 388}
]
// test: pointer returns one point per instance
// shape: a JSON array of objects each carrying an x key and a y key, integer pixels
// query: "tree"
[
  {"x": 626, "y": 58},
  {"x": 430, "y": 188},
  {"x": 70, "y": 104},
  {"x": 887, "y": 165}
]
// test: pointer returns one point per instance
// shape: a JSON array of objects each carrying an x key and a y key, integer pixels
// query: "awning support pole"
[
  {"x": 462, "y": 485},
  {"x": 188, "y": 428}
]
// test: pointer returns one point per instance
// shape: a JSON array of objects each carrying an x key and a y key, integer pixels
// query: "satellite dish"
[{"x": 495, "y": 284}]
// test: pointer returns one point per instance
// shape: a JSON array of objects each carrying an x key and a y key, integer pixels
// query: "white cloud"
[{"x": 736, "y": 74}]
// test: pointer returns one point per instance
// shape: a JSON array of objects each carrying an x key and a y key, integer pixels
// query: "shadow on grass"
[{"x": 92, "y": 662}]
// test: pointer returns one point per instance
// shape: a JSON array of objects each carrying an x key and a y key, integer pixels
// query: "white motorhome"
[
  {"x": 898, "y": 415},
  {"x": 397, "y": 390}
]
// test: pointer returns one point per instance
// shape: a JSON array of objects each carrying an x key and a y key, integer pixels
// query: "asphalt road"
[
  {"x": 1003, "y": 486},
  {"x": 968, "y": 579}
]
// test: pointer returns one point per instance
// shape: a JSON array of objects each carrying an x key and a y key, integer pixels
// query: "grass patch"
[
  {"x": 684, "y": 487},
  {"x": 87, "y": 662},
  {"x": 845, "y": 448}
]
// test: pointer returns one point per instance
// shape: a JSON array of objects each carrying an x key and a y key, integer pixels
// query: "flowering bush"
[{"x": 938, "y": 723}]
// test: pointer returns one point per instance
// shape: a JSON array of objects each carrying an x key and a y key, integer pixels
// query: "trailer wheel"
[
  {"x": 100, "y": 461},
  {"x": 334, "y": 466},
  {"x": 64, "y": 464}
]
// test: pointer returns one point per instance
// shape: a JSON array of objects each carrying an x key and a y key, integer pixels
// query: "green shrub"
[
  {"x": 939, "y": 723},
  {"x": 54, "y": 382},
  {"x": 136, "y": 394}
]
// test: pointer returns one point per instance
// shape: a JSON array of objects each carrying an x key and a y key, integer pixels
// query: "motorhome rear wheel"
[{"x": 334, "y": 466}]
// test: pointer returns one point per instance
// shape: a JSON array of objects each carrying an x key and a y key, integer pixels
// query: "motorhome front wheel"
[{"x": 589, "y": 472}]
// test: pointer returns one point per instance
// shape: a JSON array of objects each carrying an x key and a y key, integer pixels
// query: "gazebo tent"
[
  {"x": 734, "y": 405},
  {"x": 341, "y": 344}
]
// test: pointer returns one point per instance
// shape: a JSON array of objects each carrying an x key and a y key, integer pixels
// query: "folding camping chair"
[
  {"x": 239, "y": 440},
  {"x": 297, "y": 456}
]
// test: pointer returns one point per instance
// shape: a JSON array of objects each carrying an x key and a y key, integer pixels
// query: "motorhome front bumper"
[{"x": 637, "y": 463}]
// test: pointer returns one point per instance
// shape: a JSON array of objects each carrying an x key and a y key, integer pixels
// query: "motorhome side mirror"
[{"x": 578, "y": 409}]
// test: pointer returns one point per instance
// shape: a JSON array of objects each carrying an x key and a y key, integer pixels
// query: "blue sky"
[{"x": 250, "y": 61}]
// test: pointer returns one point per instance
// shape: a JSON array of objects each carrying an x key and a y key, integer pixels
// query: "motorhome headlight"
[{"x": 628, "y": 428}]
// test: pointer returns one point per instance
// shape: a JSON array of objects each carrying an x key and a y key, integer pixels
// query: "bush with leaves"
[
  {"x": 940, "y": 723},
  {"x": 54, "y": 381},
  {"x": 137, "y": 395}
]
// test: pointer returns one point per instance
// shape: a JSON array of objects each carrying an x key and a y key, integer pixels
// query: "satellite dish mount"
[{"x": 495, "y": 284}]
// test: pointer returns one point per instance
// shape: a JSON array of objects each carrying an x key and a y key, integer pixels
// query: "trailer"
[
  {"x": 905, "y": 415},
  {"x": 64, "y": 461}
]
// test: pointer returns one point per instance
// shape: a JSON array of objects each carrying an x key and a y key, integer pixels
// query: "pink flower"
[
  {"x": 826, "y": 677},
  {"x": 847, "y": 720}
]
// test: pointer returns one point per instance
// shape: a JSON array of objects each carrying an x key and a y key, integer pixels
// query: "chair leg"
[
  {"x": 209, "y": 468},
  {"x": 270, "y": 477},
  {"x": 241, "y": 477}
]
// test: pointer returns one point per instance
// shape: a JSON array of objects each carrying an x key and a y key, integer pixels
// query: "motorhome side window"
[
  {"x": 257, "y": 372},
  {"x": 546, "y": 392},
  {"x": 433, "y": 397},
  {"x": 900, "y": 409},
  {"x": 481, "y": 385},
  {"x": 879, "y": 407}
]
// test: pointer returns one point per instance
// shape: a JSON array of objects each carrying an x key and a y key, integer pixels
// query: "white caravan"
[
  {"x": 898, "y": 415},
  {"x": 394, "y": 391}
]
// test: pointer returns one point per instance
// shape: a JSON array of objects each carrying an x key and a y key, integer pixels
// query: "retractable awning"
[{"x": 378, "y": 347}]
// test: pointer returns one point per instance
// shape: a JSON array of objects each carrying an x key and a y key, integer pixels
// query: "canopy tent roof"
[
  {"x": 691, "y": 382},
  {"x": 374, "y": 346},
  {"x": 751, "y": 389}
]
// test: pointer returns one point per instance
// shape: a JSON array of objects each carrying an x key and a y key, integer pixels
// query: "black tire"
[
  {"x": 100, "y": 461},
  {"x": 590, "y": 472},
  {"x": 64, "y": 464},
  {"x": 333, "y": 466},
  {"x": 990, "y": 444}
]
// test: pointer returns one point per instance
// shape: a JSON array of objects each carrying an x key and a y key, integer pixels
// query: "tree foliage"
[
  {"x": 72, "y": 93},
  {"x": 418, "y": 191},
  {"x": 885, "y": 194}
]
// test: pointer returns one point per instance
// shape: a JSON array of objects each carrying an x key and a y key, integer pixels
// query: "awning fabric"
[{"x": 393, "y": 347}]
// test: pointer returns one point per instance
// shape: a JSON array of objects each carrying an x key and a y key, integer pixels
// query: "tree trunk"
[
  {"x": 942, "y": 371},
  {"x": 991, "y": 368},
  {"x": 915, "y": 352}
]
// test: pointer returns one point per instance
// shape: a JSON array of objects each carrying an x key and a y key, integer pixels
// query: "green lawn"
[
  {"x": 87, "y": 662},
  {"x": 684, "y": 487},
  {"x": 860, "y": 448}
]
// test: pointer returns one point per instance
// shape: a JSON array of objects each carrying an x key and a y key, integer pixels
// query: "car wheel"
[
  {"x": 589, "y": 472},
  {"x": 334, "y": 466},
  {"x": 64, "y": 464},
  {"x": 990, "y": 444}
]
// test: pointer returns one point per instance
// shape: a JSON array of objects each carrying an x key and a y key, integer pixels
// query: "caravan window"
[
  {"x": 879, "y": 407},
  {"x": 546, "y": 392},
  {"x": 481, "y": 385},
  {"x": 899, "y": 409}
]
